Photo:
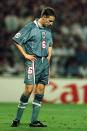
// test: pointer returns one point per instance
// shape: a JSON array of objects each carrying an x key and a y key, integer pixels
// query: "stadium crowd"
[{"x": 69, "y": 34}]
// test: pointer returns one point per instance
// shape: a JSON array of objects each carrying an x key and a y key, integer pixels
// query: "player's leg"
[
  {"x": 39, "y": 93},
  {"x": 24, "y": 101},
  {"x": 29, "y": 82},
  {"x": 22, "y": 104}
]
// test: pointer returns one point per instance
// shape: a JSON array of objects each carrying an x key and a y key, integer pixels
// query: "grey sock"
[
  {"x": 22, "y": 105},
  {"x": 36, "y": 107}
]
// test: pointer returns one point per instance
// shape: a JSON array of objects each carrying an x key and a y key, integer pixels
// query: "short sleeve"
[{"x": 23, "y": 35}]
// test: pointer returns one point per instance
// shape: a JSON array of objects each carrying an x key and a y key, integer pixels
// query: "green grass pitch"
[{"x": 58, "y": 117}]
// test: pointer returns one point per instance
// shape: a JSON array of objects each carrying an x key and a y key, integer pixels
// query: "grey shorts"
[{"x": 37, "y": 72}]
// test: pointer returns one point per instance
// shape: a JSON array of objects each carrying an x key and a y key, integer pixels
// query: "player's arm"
[
  {"x": 20, "y": 39},
  {"x": 50, "y": 47},
  {"x": 49, "y": 53},
  {"x": 26, "y": 56}
]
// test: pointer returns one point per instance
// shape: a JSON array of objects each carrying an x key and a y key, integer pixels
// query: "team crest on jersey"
[
  {"x": 44, "y": 35},
  {"x": 17, "y": 35}
]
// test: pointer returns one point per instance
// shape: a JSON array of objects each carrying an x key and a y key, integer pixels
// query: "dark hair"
[{"x": 48, "y": 11}]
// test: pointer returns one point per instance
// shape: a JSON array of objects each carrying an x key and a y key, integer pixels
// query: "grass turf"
[{"x": 58, "y": 117}]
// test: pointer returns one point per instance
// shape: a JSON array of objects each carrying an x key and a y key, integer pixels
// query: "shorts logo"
[{"x": 17, "y": 35}]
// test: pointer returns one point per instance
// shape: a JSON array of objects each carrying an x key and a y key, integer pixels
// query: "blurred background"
[
  {"x": 68, "y": 83},
  {"x": 69, "y": 34}
]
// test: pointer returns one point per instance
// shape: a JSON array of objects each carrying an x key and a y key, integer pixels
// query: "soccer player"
[{"x": 34, "y": 42}]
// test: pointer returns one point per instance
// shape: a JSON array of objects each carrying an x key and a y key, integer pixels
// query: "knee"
[
  {"x": 28, "y": 89},
  {"x": 40, "y": 89}
]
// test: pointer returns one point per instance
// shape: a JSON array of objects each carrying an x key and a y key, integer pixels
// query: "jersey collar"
[{"x": 35, "y": 21}]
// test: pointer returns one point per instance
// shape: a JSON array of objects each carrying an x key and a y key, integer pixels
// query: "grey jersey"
[{"x": 34, "y": 39}]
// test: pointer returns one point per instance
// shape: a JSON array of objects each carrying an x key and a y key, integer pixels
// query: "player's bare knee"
[
  {"x": 40, "y": 90},
  {"x": 28, "y": 89}
]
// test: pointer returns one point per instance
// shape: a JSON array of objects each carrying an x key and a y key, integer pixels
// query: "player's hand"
[{"x": 30, "y": 57}]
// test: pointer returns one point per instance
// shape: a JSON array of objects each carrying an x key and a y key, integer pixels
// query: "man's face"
[{"x": 48, "y": 21}]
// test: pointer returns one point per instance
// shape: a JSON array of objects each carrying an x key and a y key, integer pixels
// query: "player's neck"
[{"x": 40, "y": 22}]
